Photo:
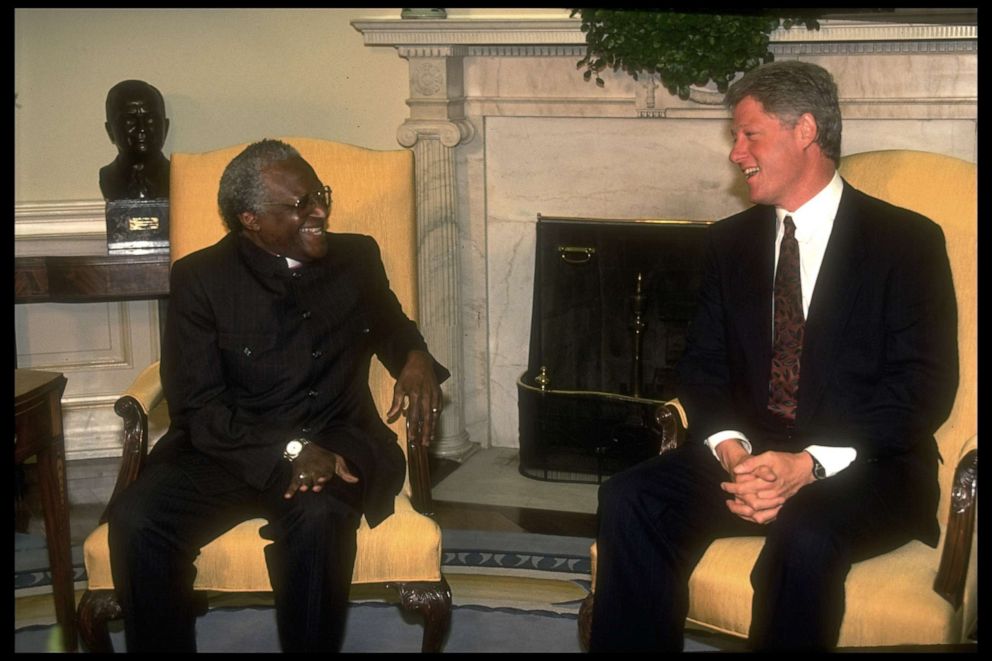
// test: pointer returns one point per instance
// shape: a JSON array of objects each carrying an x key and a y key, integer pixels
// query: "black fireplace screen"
[{"x": 612, "y": 304}]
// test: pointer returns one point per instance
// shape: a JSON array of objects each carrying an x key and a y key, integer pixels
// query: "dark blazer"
[
  {"x": 255, "y": 354},
  {"x": 879, "y": 364}
]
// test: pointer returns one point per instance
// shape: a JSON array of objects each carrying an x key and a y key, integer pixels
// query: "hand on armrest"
[{"x": 671, "y": 422}]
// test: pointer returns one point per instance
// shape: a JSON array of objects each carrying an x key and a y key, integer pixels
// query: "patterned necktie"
[{"x": 783, "y": 387}]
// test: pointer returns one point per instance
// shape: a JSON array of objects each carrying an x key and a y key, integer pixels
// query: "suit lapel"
[
  {"x": 756, "y": 276},
  {"x": 836, "y": 290}
]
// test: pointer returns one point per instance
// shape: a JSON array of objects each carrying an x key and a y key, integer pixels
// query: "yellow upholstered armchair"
[
  {"x": 374, "y": 195},
  {"x": 914, "y": 595}
]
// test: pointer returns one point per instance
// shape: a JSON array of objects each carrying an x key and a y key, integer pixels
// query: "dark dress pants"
[
  {"x": 657, "y": 519},
  {"x": 160, "y": 522}
]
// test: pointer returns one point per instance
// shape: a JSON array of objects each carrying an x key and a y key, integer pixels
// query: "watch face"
[{"x": 293, "y": 448}]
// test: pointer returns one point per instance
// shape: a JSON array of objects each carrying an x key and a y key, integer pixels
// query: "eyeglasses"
[{"x": 320, "y": 197}]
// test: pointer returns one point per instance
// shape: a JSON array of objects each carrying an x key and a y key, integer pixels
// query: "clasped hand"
[
  {"x": 314, "y": 468},
  {"x": 418, "y": 389},
  {"x": 761, "y": 484}
]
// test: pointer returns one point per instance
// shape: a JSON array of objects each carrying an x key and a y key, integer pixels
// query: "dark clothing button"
[
  {"x": 312, "y": 393},
  {"x": 317, "y": 354},
  {"x": 297, "y": 274},
  {"x": 306, "y": 314}
]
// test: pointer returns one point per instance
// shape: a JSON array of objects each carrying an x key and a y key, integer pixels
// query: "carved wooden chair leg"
[
  {"x": 585, "y": 621},
  {"x": 433, "y": 601},
  {"x": 96, "y": 609}
]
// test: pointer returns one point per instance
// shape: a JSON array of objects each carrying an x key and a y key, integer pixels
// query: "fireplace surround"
[{"x": 504, "y": 127}]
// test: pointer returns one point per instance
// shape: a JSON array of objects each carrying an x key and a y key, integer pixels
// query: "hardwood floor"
[{"x": 468, "y": 516}]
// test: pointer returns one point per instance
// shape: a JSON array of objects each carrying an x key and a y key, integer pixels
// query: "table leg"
[{"x": 55, "y": 505}]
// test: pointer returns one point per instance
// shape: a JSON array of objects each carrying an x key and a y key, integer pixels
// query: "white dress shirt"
[{"x": 814, "y": 221}]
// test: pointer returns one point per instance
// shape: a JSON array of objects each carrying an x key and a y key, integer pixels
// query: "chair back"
[
  {"x": 373, "y": 195},
  {"x": 943, "y": 189}
]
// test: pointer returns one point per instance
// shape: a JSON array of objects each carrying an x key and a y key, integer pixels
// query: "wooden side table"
[{"x": 38, "y": 432}]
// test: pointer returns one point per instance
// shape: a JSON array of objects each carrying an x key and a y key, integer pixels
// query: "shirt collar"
[
  {"x": 817, "y": 215},
  {"x": 259, "y": 260}
]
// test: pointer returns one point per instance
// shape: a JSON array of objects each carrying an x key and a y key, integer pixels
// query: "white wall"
[{"x": 227, "y": 75}]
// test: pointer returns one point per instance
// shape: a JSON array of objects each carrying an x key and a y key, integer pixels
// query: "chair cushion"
[
  {"x": 890, "y": 599},
  {"x": 404, "y": 547}
]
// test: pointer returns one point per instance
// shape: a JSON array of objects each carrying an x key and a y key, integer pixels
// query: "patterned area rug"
[{"x": 511, "y": 592}]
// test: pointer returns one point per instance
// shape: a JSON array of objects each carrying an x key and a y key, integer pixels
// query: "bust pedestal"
[{"x": 138, "y": 226}]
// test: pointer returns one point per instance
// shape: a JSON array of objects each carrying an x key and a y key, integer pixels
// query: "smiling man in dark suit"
[
  {"x": 821, "y": 361},
  {"x": 265, "y": 364}
]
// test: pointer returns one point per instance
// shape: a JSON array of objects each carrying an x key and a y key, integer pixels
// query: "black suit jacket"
[
  {"x": 879, "y": 363},
  {"x": 255, "y": 354}
]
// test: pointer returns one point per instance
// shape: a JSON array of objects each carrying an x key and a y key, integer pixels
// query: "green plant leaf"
[{"x": 684, "y": 49}]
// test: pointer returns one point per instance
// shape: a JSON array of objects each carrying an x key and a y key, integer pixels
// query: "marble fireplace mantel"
[
  {"x": 459, "y": 39},
  {"x": 504, "y": 127}
]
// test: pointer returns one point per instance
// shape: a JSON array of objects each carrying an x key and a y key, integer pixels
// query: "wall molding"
[
  {"x": 855, "y": 47},
  {"x": 464, "y": 32},
  {"x": 59, "y": 219},
  {"x": 118, "y": 354},
  {"x": 492, "y": 36},
  {"x": 561, "y": 43}
]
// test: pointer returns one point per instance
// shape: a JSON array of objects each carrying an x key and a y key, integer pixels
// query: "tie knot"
[{"x": 790, "y": 227}]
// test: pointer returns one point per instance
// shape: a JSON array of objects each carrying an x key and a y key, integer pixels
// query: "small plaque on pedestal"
[{"x": 138, "y": 227}]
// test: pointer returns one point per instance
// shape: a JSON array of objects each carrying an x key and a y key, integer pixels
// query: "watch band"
[{"x": 819, "y": 472}]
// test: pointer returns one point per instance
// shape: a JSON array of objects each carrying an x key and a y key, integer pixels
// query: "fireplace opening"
[{"x": 612, "y": 303}]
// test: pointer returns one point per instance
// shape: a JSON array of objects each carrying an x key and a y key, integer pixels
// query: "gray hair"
[
  {"x": 788, "y": 89},
  {"x": 241, "y": 187}
]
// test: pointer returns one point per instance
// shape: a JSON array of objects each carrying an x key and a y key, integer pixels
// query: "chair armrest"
[
  {"x": 953, "y": 572},
  {"x": 420, "y": 475},
  {"x": 671, "y": 424},
  {"x": 133, "y": 406},
  {"x": 146, "y": 389}
]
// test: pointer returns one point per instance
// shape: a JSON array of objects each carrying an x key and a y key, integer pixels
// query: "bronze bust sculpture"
[{"x": 137, "y": 124}]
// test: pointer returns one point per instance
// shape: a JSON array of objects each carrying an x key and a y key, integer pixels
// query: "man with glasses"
[{"x": 265, "y": 365}]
